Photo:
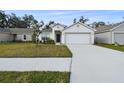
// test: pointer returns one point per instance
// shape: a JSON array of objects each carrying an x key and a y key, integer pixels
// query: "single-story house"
[
  {"x": 110, "y": 34},
  {"x": 54, "y": 33},
  {"x": 77, "y": 33},
  {"x": 16, "y": 34}
]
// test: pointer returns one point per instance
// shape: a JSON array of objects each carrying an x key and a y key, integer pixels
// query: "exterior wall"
[
  {"x": 35, "y": 64},
  {"x": 9, "y": 37},
  {"x": 8, "y": 34},
  {"x": 119, "y": 38},
  {"x": 119, "y": 28},
  {"x": 21, "y": 37},
  {"x": 112, "y": 38},
  {"x": 58, "y": 27},
  {"x": 77, "y": 28},
  {"x": 105, "y": 37},
  {"x": 5, "y": 37},
  {"x": 118, "y": 34},
  {"x": 63, "y": 38},
  {"x": 45, "y": 34},
  {"x": 52, "y": 33},
  {"x": 92, "y": 37},
  {"x": 55, "y": 28}
]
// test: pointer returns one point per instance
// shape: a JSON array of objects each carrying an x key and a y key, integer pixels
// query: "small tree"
[
  {"x": 37, "y": 31},
  {"x": 34, "y": 37},
  {"x": 51, "y": 22},
  {"x": 74, "y": 20},
  {"x": 94, "y": 24},
  {"x": 3, "y": 21},
  {"x": 83, "y": 20},
  {"x": 100, "y": 23}
]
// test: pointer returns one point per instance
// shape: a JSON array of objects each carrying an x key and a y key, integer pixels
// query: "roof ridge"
[{"x": 81, "y": 24}]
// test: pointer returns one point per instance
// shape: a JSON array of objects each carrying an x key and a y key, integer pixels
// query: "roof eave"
[
  {"x": 81, "y": 24},
  {"x": 116, "y": 27}
]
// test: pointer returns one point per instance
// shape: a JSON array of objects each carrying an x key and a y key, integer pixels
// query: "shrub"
[{"x": 50, "y": 41}]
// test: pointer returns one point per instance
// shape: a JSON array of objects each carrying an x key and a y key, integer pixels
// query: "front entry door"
[
  {"x": 58, "y": 38},
  {"x": 14, "y": 37}
]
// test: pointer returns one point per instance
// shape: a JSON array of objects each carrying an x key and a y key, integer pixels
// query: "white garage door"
[
  {"x": 77, "y": 38},
  {"x": 119, "y": 38}
]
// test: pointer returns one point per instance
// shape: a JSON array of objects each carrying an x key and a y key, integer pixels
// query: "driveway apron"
[{"x": 94, "y": 64}]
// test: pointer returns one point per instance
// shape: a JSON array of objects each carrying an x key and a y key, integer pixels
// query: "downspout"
[
  {"x": 53, "y": 32},
  {"x": 112, "y": 37},
  {"x": 70, "y": 69}
]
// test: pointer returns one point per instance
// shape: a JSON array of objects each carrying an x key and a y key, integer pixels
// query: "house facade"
[
  {"x": 110, "y": 34},
  {"x": 77, "y": 33},
  {"x": 16, "y": 34},
  {"x": 55, "y": 33}
]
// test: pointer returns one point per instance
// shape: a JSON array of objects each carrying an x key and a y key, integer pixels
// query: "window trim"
[{"x": 24, "y": 37}]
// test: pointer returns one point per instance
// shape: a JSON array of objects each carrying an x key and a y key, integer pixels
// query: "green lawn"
[
  {"x": 32, "y": 50},
  {"x": 34, "y": 77},
  {"x": 119, "y": 48}
]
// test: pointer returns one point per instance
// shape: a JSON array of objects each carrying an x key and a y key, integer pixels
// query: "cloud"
[
  {"x": 62, "y": 12},
  {"x": 67, "y": 16}
]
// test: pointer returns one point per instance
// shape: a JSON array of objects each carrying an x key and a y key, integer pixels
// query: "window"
[
  {"x": 45, "y": 37},
  {"x": 24, "y": 37}
]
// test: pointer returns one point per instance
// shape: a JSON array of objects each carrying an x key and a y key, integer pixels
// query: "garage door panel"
[
  {"x": 78, "y": 38},
  {"x": 119, "y": 38}
]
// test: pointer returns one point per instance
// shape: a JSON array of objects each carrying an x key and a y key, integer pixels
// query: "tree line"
[
  {"x": 27, "y": 21},
  {"x": 14, "y": 21}
]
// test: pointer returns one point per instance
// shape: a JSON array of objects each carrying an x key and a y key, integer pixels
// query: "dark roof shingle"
[
  {"x": 107, "y": 27},
  {"x": 16, "y": 30}
]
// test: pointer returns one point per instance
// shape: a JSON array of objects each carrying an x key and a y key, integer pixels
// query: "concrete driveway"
[{"x": 91, "y": 63}]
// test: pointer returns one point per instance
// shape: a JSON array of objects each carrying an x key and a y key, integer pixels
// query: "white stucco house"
[
  {"x": 54, "y": 33},
  {"x": 16, "y": 34},
  {"x": 110, "y": 34},
  {"x": 77, "y": 33}
]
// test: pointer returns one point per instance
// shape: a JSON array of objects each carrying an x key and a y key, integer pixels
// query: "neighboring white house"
[
  {"x": 16, "y": 34},
  {"x": 77, "y": 33},
  {"x": 110, "y": 34}
]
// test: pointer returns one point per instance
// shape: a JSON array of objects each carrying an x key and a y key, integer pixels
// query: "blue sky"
[{"x": 66, "y": 16}]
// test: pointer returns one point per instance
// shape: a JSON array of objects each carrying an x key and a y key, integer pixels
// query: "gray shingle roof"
[
  {"x": 107, "y": 27},
  {"x": 4, "y": 30},
  {"x": 47, "y": 30},
  {"x": 89, "y": 27},
  {"x": 60, "y": 25},
  {"x": 16, "y": 30},
  {"x": 51, "y": 26},
  {"x": 21, "y": 30},
  {"x": 104, "y": 28}
]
